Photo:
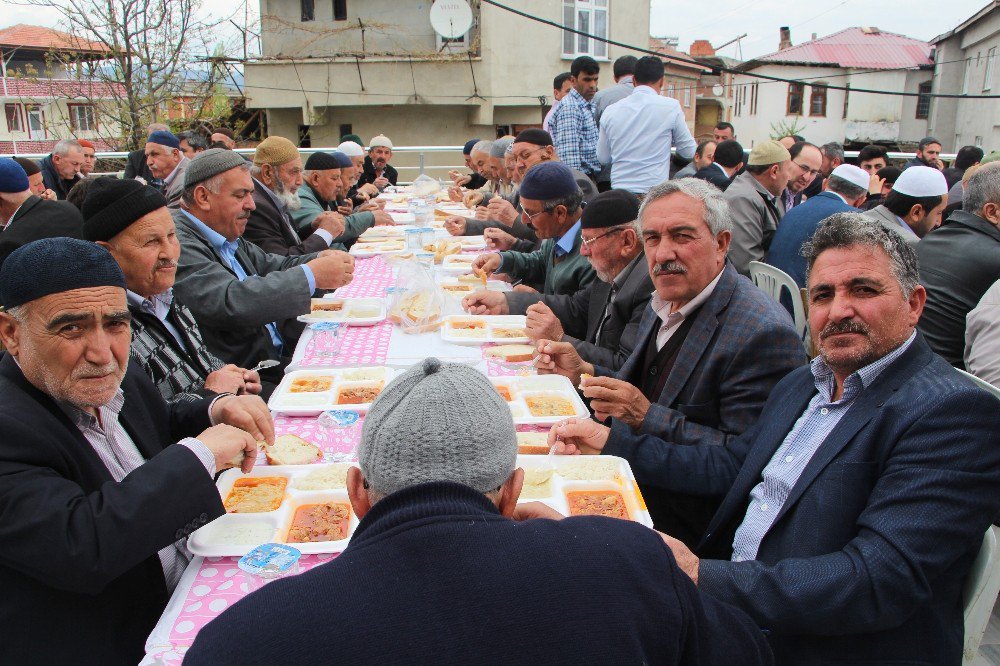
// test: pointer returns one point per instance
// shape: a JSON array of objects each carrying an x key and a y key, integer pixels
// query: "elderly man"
[
  {"x": 601, "y": 320},
  {"x": 755, "y": 203},
  {"x": 167, "y": 164},
  {"x": 438, "y": 500},
  {"x": 914, "y": 205},
  {"x": 959, "y": 262},
  {"x": 358, "y": 193},
  {"x": 135, "y": 164},
  {"x": 132, "y": 222},
  {"x": 191, "y": 143},
  {"x": 35, "y": 182},
  {"x": 102, "y": 480},
  {"x": 472, "y": 181},
  {"x": 927, "y": 154},
  {"x": 239, "y": 294},
  {"x": 89, "y": 157},
  {"x": 26, "y": 217},
  {"x": 710, "y": 348},
  {"x": 225, "y": 136},
  {"x": 277, "y": 176},
  {"x": 61, "y": 168},
  {"x": 807, "y": 163},
  {"x": 868, "y": 481},
  {"x": 377, "y": 169},
  {"x": 551, "y": 206},
  {"x": 727, "y": 162},
  {"x": 704, "y": 156},
  {"x": 573, "y": 128}
]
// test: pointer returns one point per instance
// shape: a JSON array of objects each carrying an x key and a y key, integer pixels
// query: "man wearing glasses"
[{"x": 807, "y": 161}]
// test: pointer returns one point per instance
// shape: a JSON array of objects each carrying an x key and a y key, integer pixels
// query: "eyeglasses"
[
  {"x": 805, "y": 169},
  {"x": 523, "y": 156},
  {"x": 531, "y": 216},
  {"x": 593, "y": 240}
]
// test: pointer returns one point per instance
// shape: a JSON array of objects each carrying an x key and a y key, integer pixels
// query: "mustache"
[
  {"x": 92, "y": 371},
  {"x": 670, "y": 268},
  {"x": 849, "y": 326},
  {"x": 245, "y": 215},
  {"x": 165, "y": 263}
]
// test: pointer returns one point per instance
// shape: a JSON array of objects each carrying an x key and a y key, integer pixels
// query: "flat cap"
[
  {"x": 209, "y": 163},
  {"x": 768, "y": 152},
  {"x": 53, "y": 266},
  {"x": 111, "y": 205},
  {"x": 610, "y": 209}
]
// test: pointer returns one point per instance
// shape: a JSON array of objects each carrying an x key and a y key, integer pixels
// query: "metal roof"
[{"x": 854, "y": 48}]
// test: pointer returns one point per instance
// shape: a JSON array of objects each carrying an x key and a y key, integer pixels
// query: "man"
[
  {"x": 966, "y": 157},
  {"x": 551, "y": 206},
  {"x": 927, "y": 154},
  {"x": 103, "y": 481},
  {"x": 561, "y": 85},
  {"x": 723, "y": 132},
  {"x": 573, "y": 128},
  {"x": 914, "y": 205},
  {"x": 843, "y": 192},
  {"x": 238, "y": 316},
  {"x": 624, "y": 72},
  {"x": 35, "y": 182},
  {"x": 704, "y": 156},
  {"x": 225, "y": 136},
  {"x": 982, "y": 337},
  {"x": 438, "y": 500},
  {"x": 885, "y": 177},
  {"x": 474, "y": 180},
  {"x": 277, "y": 176},
  {"x": 132, "y": 222},
  {"x": 26, "y": 217},
  {"x": 167, "y": 164},
  {"x": 377, "y": 169},
  {"x": 872, "y": 158},
  {"x": 710, "y": 348},
  {"x": 191, "y": 143},
  {"x": 359, "y": 193},
  {"x": 61, "y": 168},
  {"x": 832, "y": 157},
  {"x": 807, "y": 160},
  {"x": 959, "y": 262},
  {"x": 755, "y": 204},
  {"x": 638, "y": 132},
  {"x": 89, "y": 157},
  {"x": 727, "y": 162},
  {"x": 135, "y": 164},
  {"x": 601, "y": 321}
]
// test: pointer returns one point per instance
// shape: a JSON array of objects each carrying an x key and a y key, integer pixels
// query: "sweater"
[{"x": 355, "y": 224}]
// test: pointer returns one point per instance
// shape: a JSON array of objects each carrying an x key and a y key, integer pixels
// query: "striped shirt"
[
  {"x": 806, "y": 436},
  {"x": 574, "y": 133}
]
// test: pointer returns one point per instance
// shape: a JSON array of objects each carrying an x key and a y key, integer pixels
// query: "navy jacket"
[
  {"x": 714, "y": 175},
  {"x": 39, "y": 218},
  {"x": 434, "y": 574},
  {"x": 798, "y": 226},
  {"x": 53, "y": 180},
  {"x": 866, "y": 560}
]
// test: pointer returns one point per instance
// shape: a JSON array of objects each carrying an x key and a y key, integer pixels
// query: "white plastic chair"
[
  {"x": 981, "y": 383},
  {"x": 773, "y": 281},
  {"x": 981, "y": 589}
]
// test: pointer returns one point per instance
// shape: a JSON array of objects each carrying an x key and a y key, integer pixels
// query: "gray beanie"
[
  {"x": 438, "y": 422},
  {"x": 209, "y": 163}
]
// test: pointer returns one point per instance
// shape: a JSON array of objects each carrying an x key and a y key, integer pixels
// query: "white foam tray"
[
  {"x": 489, "y": 323},
  {"x": 284, "y": 401},
  {"x": 348, "y": 315},
  {"x": 523, "y": 387}
]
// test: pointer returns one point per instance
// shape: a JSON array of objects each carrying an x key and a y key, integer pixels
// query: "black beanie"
[
  {"x": 321, "y": 162},
  {"x": 30, "y": 271},
  {"x": 112, "y": 205},
  {"x": 610, "y": 209},
  {"x": 534, "y": 135}
]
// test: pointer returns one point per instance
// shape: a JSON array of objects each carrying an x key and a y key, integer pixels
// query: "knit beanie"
[
  {"x": 353, "y": 138},
  {"x": 275, "y": 150},
  {"x": 112, "y": 205},
  {"x": 164, "y": 138},
  {"x": 438, "y": 422},
  {"x": 343, "y": 161},
  {"x": 209, "y": 163},
  {"x": 351, "y": 149},
  {"x": 28, "y": 273},
  {"x": 321, "y": 162},
  {"x": 13, "y": 178},
  {"x": 548, "y": 180},
  {"x": 534, "y": 136},
  {"x": 610, "y": 209}
]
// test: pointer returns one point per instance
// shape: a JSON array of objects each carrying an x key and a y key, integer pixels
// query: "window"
[
  {"x": 671, "y": 91},
  {"x": 991, "y": 56},
  {"x": 795, "y": 94},
  {"x": 817, "y": 100},
  {"x": 308, "y": 10},
  {"x": 978, "y": 142},
  {"x": 847, "y": 96},
  {"x": 753, "y": 98},
  {"x": 591, "y": 17},
  {"x": 339, "y": 10},
  {"x": 968, "y": 76},
  {"x": 15, "y": 121},
  {"x": 36, "y": 122},
  {"x": 923, "y": 100},
  {"x": 687, "y": 97},
  {"x": 81, "y": 117}
]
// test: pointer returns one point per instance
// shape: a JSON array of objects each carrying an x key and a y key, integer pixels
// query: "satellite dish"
[
  {"x": 451, "y": 18},
  {"x": 717, "y": 90}
]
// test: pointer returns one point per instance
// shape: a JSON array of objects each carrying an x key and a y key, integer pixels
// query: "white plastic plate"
[
  {"x": 480, "y": 329},
  {"x": 290, "y": 399}
]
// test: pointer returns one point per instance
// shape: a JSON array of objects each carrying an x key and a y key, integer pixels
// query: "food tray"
[
  {"x": 354, "y": 311},
  {"x": 378, "y": 248},
  {"x": 385, "y": 232},
  {"x": 460, "y": 290},
  {"x": 524, "y": 389},
  {"x": 480, "y": 329},
  {"x": 403, "y": 218},
  {"x": 443, "y": 211},
  {"x": 472, "y": 242},
  {"x": 458, "y": 264},
  {"x": 310, "y": 403},
  {"x": 568, "y": 474}
]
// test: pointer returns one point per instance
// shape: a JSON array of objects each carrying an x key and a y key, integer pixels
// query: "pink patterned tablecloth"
[
  {"x": 337, "y": 444},
  {"x": 355, "y": 345}
]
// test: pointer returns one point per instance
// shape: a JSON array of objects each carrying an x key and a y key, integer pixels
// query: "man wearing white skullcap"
[
  {"x": 914, "y": 205},
  {"x": 357, "y": 192},
  {"x": 377, "y": 170}
]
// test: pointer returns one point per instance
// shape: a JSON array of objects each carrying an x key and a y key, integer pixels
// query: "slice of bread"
[
  {"x": 292, "y": 450},
  {"x": 512, "y": 353},
  {"x": 533, "y": 443}
]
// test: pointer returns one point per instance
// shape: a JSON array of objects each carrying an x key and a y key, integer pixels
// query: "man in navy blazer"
[
  {"x": 710, "y": 348},
  {"x": 867, "y": 482}
]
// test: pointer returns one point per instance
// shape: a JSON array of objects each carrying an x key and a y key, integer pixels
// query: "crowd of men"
[{"x": 805, "y": 511}]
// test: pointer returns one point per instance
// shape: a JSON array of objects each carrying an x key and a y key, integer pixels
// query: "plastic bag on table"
[
  {"x": 425, "y": 186},
  {"x": 417, "y": 304}
]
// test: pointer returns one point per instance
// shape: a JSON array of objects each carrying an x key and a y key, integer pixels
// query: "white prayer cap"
[
  {"x": 853, "y": 175},
  {"x": 921, "y": 181},
  {"x": 351, "y": 149},
  {"x": 380, "y": 140}
]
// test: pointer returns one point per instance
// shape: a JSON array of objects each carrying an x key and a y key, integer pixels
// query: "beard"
[{"x": 290, "y": 199}]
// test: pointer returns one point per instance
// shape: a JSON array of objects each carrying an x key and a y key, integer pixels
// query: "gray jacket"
[
  {"x": 755, "y": 215},
  {"x": 175, "y": 188},
  {"x": 889, "y": 220}
]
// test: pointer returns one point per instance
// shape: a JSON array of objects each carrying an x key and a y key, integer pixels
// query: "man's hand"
[
  {"x": 576, "y": 436},
  {"x": 561, "y": 358},
  {"x": 381, "y": 182},
  {"x": 233, "y": 379},
  {"x": 482, "y": 213},
  {"x": 367, "y": 206},
  {"x": 346, "y": 208},
  {"x": 485, "y": 302},
  {"x": 502, "y": 211},
  {"x": 459, "y": 178},
  {"x": 613, "y": 397},
  {"x": 487, "y": 262},
  {"x": 332, "y": 223},
  {"x": 332, "y": 270},
  {"x": 498, "y": 239},
  {"x": 48, "y": 195},
  {"x": 455, "y": 225},
  {"x": 543, "y": 323},
  {"x": 369, "y": 189},
  {"x": 525, "y": 289},
  {"x": 686, "y": 560},
  {"x": 472, "y": 199},
  {"x": 228, "y": 444},
  {"x": 382, "y": 218},
  {"x": 875, "y": 184},
  {"x": 455, "y": 193},
  {"x": 532, "y": 510}
]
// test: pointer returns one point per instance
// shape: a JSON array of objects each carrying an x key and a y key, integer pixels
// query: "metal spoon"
[{"x": 264, "y": 365}]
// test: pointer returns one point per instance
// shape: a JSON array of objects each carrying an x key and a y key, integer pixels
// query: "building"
[
  {"x": 866, "y": 58},
  {"x": 966, "y": 63},
  {"x": 714, "y": 102},
  {"x": 340, "y": 67},
  {"x": 681, "y": 77},
  {"x": 45, "y": 92}
]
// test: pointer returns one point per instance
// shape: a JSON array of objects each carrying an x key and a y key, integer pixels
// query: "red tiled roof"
[
  {"x": 31, "y": 88},
  {"x": 675, "y": 57},
  {"x": 36, "y": 147},
  {"x": 39, "y": 37},
  {"x": 857, "y": 48}
]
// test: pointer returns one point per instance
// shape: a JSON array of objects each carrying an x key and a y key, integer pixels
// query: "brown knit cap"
[{"x": 275, "y": 150}]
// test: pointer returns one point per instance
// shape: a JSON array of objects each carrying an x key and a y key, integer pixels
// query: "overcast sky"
[{"x": 717, "y": 21}]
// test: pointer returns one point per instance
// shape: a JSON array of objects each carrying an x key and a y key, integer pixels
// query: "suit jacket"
[
  {"x": 570, "y": 274},
  {"x": 79, "y": 570},
  {"x": 889, "y": 220},
  {"x": 368, "y": 174},
  {"x": 958, "y": 263},
  {"x": 38, "y": 218},
  {"x": 136, "y": 165},
  {"x": 714, "y": 175},
  {"x": 271, "y": 228},
  {"x": 233, "y": 314},
  {"x": 175, "y": 189},
  {"x": 866, "y": 560},
  {"x": 798, "y": 226},
  {"x": 581, "y": 313},
  {"x": 423, "y": 612},
  {"x": 741, "y": 343},
  {"x": 756, "y": 214}
]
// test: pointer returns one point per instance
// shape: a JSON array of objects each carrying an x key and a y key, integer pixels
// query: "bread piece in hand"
[
  {"x": 512, "y": 353},
  {"x": 292, "y": 450}
]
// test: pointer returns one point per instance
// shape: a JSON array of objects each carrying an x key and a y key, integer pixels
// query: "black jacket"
[
  {"x": 79, "y": 570},
  {"x": 368, "y": 175},
  {"x": 136, "y": 165},
  {"x": 39, "y": 218},
  {"x": 714, "y": 175},
  {"x": 272, "y": 229},
  {"x": 53, "y": 180}
]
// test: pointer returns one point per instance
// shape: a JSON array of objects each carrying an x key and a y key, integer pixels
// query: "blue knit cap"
[
  {"x": 548, "y": 180},
  {"x": 467, "y": 149},
  {"x": 343, "y": 161},
  {"x": 13, "y": 179},
  {"x": 164, "y": 138},
  {"x": 55, "y": 265}
]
